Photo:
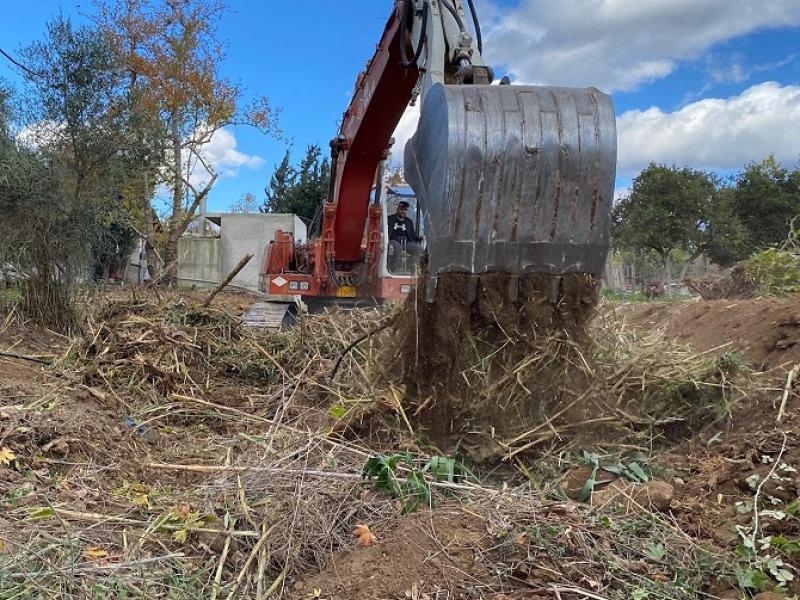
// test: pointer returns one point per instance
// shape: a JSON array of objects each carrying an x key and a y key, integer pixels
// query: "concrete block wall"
[{"x": 204, "y": 261}]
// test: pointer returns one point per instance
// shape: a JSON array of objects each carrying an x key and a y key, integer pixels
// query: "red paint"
[
  {"x": 345, "y": 252},
  {"x": 382, "y": 94}
]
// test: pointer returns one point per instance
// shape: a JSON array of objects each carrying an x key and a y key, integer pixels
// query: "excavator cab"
[{"x": 402, "y": 253}]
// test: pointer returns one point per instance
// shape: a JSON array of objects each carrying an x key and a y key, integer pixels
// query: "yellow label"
[{"x": 347, "y": 291}]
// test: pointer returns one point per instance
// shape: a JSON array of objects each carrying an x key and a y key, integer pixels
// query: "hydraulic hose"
[
  {"x": 477, "y": 24},
  {"x": 404, "y": 20},
  {"x": 452, "y": 10}
]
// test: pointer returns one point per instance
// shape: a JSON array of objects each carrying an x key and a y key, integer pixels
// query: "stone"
[{"x": 657, "y": 495}]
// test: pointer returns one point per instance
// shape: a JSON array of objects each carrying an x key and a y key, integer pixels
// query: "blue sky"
[{"x": 709, "y": 83}]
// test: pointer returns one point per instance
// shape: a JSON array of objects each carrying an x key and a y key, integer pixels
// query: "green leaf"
[
  {"x": 442, "y": 468},
  {"x": 749, "y": 578},
  {"x": 640, "y": 475},
  {"x": 655, "y": 551},
  {"x": 181, "y": 536},
  {"x": 337, "y": 411},
  {"x": 588, "y": 487},
  {"x": 37, "y": 513},
  {"x": 789, "y": 546}
]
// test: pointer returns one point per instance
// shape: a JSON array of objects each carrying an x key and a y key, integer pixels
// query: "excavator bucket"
[{"x": 514, "y": 179}]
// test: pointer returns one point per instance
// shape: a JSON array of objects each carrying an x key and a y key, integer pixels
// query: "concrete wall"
[
  {"x": 200, "y": 261},
  {"x": 205, "y": 261}
]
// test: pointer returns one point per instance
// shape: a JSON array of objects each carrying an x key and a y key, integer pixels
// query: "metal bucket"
[{"x": 514, "y": 179}]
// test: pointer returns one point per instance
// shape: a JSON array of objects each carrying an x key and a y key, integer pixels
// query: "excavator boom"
[{"x": 510, "y": 179}]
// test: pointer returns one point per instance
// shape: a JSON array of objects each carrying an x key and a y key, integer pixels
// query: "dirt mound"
[
  {"x": 765, "y": 330},
  {"x": 422, "y": 554},
  {"x": 731, "y": 284}
]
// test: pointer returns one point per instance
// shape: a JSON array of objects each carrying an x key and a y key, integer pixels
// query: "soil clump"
[{"x": 456, "y": 353}]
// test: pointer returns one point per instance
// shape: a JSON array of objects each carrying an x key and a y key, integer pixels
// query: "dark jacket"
[{"x": 402, "y": 230}]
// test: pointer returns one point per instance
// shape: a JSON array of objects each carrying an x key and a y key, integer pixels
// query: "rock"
[
  {"x": 657, "y": 495},
  {"x": 574, "y": 481},
  {"x": 724, "y": 593}
]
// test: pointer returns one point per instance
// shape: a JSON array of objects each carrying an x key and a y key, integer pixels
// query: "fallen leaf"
[
  {"x": 93, "y": 553},
  {"x": 3, "y": 547},
  {"x": 140, "y": 500},
  {"x": 364, "y": 536},
  {"x": 7, "y": 456}
]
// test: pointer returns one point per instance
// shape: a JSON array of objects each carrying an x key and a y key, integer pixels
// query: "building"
[{"x": 216, "y": 242}]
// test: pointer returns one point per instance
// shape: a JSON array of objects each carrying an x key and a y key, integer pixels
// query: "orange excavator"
[{"x": 503, "y": 178}]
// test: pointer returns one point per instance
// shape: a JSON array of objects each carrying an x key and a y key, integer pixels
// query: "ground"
[{"x": 167, "y": 453}]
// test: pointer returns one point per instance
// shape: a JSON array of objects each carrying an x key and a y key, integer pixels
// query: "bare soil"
[{"x": 765, "y": 330}]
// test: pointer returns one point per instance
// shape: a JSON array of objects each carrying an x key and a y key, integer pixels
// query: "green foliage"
[
  {"x": 414, "y": 490},
  {"x": 674, "y": 209},
  {"x": 60, "y": 180},
  {"x": 300, "y": 190},
  {"x": 411, "y": 491},
  {"x": 627, "y": 468},
  {"x": 766, "y": 197},
  {"x": 774, "y": 271}
]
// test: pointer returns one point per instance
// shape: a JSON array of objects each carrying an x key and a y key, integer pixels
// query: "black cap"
[{"x": 403, "y": 204}]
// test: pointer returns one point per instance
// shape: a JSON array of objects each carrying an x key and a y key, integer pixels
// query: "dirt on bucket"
[{"x": 457, "y": 353}]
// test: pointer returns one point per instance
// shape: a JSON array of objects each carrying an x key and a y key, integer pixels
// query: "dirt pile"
[{"x": 766, "y": 331}]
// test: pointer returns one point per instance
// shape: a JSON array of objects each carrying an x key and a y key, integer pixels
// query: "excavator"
[{"x": 504, "y": 178}]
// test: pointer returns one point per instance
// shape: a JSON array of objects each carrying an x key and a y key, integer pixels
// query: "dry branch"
[{"x": 223, "y": 284}]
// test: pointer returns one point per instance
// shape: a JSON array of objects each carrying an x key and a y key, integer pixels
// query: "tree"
[
  {"x": 300, "y": 190},
  {"x": 169, "y": 50},
  {"x": 672, "y": 210},
  {"x": 766, "y": 198},
  {"x": 60, "y": 183},
  {"x": 280, "y": 182}
]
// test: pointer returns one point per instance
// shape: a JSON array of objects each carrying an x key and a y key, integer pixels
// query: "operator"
[{"x": 402, "y": 235}]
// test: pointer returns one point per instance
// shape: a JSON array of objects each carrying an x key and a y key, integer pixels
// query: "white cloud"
[
  {"x": 405, "y": 129},
  {"x": 714, "y": 133},
  {"x": 620, "y": 44},
  {"x": 222, "y": 155},
  {"x": 41, "y": 134}
]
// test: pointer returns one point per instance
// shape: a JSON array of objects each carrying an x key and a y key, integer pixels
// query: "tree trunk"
[
  {"x": 174, "y": 233},
  {"x": 667, "y": 273},
  {"x": 153, "y": 266},
  {"x": 686, "y": 268}
]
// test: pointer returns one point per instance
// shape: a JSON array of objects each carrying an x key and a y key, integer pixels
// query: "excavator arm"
[
  {"x": 382, "y": 94},
  {"x": 511, "y": 179}
]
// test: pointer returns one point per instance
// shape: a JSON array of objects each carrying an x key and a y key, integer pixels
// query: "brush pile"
[{"x": 300, "y": 464}]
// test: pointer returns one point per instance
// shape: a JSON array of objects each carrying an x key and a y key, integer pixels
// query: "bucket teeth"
[{"x": 514, "y": 179}]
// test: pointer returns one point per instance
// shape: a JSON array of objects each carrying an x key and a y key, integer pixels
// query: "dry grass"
[{"x": 254, "y": 478}]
